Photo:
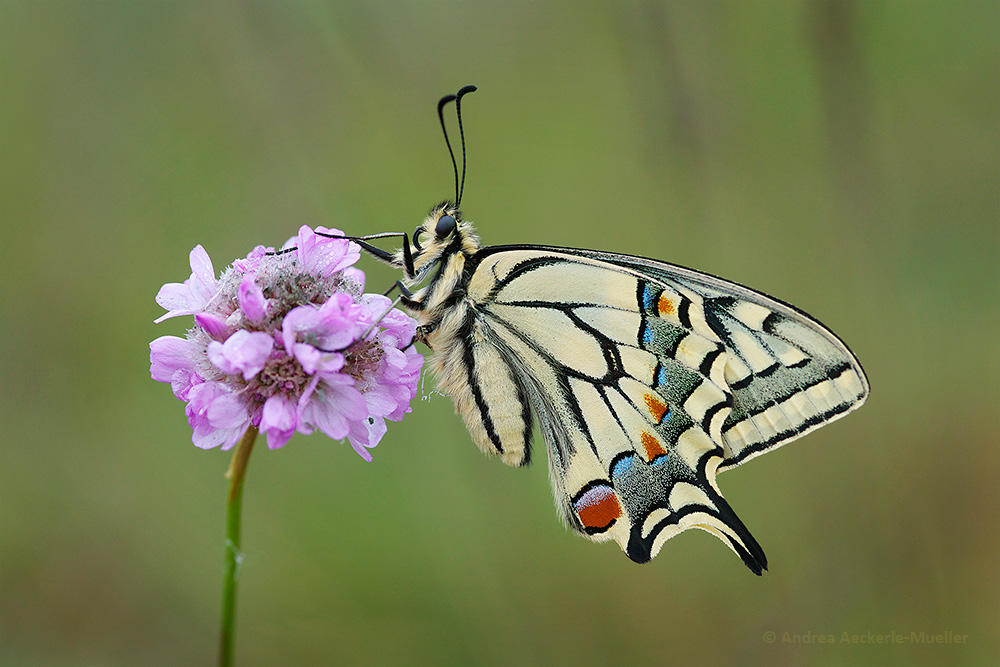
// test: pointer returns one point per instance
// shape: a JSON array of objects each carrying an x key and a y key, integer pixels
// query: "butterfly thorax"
[{"x": 442, "y": 251}]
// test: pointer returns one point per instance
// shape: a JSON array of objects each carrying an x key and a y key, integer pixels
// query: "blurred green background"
[{"x": 842, "y": 156}]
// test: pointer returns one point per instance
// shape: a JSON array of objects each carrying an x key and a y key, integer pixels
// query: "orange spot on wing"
[
  {"x": 598, "y": 507},
  {"x": 666, "y": 306},
  {"x": 652, "y": 446},
  {"x": 657, "y": 407}
]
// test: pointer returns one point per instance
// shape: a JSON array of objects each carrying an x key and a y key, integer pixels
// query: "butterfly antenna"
[
  {"x": 454, "y": 165},
  {"x": 461, "y": 133}
]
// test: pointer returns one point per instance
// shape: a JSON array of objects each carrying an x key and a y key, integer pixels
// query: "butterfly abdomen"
[
  {"x": 470, "y": 368},
  {"x": 487, "y": 391}
]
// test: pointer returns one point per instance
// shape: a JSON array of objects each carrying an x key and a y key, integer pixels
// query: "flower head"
[{"x": 287, "y": 342}]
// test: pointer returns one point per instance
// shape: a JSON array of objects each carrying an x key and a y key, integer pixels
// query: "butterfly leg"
[{"x": 398, "y": 285}]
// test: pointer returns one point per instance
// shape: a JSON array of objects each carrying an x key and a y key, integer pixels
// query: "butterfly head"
[{"x": 443, "y": 233}]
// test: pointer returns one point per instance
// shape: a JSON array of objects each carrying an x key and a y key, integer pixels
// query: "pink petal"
[
  {"x": 228, "y": 411},
  {"x": 306, "y": 395},
  {"x": 330, "y": 421},
  {"x": 278, "y": 420},
  {"x": 331, "y": 362},
  {"x": 206, "y": 435},
  {"x": 313, "y": 360},
  {"x": 202, "y": 280},
  {"x": 379, "y": 402},
  {"x": 339, "y": 324},
  {"x": 173, "y": 296},
  {"x": 308, "y": 356},
  {"x": 214, "y": 325},
  {"x": 360, "y": 449},
  {"x": 366, "y": 434},
  {"x": 244, "y": 352},
  {"x": 195, "y": 293},
  {"x": 323, "y": 255},
  {"x": 168, "y": 354},
  {"x": 278, "y": 439},
  {"x": 250, "y": 263},
  {"x": 336, "y": 379},
  {"x": 297, "y": 320},
  {"x": 279, "y": 413},
  {"x": 346, "y": 253},
  {"x": 251, "y": 298},
  {"x": 332, "y": 407},
  {"x": 183, "y": 381},
  {"x": 224, "y": 438},
  {"x": 210, "y": 438}
]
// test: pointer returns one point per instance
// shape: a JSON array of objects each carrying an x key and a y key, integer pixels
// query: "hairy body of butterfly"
[{"x": 646, "y": 378}]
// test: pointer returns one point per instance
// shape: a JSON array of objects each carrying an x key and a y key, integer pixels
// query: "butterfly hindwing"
[{"x": 475, "y": 369}]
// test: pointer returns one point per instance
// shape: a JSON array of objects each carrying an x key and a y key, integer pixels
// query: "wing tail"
[{"x": 690, "y": 500}]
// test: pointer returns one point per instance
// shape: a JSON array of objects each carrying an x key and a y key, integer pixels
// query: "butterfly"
[{"x": 646, "y": 378}]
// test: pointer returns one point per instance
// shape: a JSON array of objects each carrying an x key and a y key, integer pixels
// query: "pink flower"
[{"x": 287, "y": 342}]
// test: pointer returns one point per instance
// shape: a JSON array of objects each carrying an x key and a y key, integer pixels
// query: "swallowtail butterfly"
[{"x": 647, "y": 379}]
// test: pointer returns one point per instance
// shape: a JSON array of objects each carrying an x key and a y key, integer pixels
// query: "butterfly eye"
[{"x": 445, "y": 225}]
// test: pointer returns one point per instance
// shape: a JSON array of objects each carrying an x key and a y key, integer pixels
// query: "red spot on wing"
[
  {"x": 652, "y": 446},
  {"x": 666, "y": 306},
  {"x": 657, "y": 408},
  {"x": 598, "y": 508}
]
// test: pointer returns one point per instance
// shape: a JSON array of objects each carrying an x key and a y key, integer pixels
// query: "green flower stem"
[{"x": 234, "y": 557}]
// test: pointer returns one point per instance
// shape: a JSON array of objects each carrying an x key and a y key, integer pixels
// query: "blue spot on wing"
[
  {"x": 650, "y": 295},
  {"x": 622, "y": 466}
]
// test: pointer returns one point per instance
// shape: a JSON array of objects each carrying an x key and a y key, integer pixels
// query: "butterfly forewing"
[{"x": 787, "y": 372}]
